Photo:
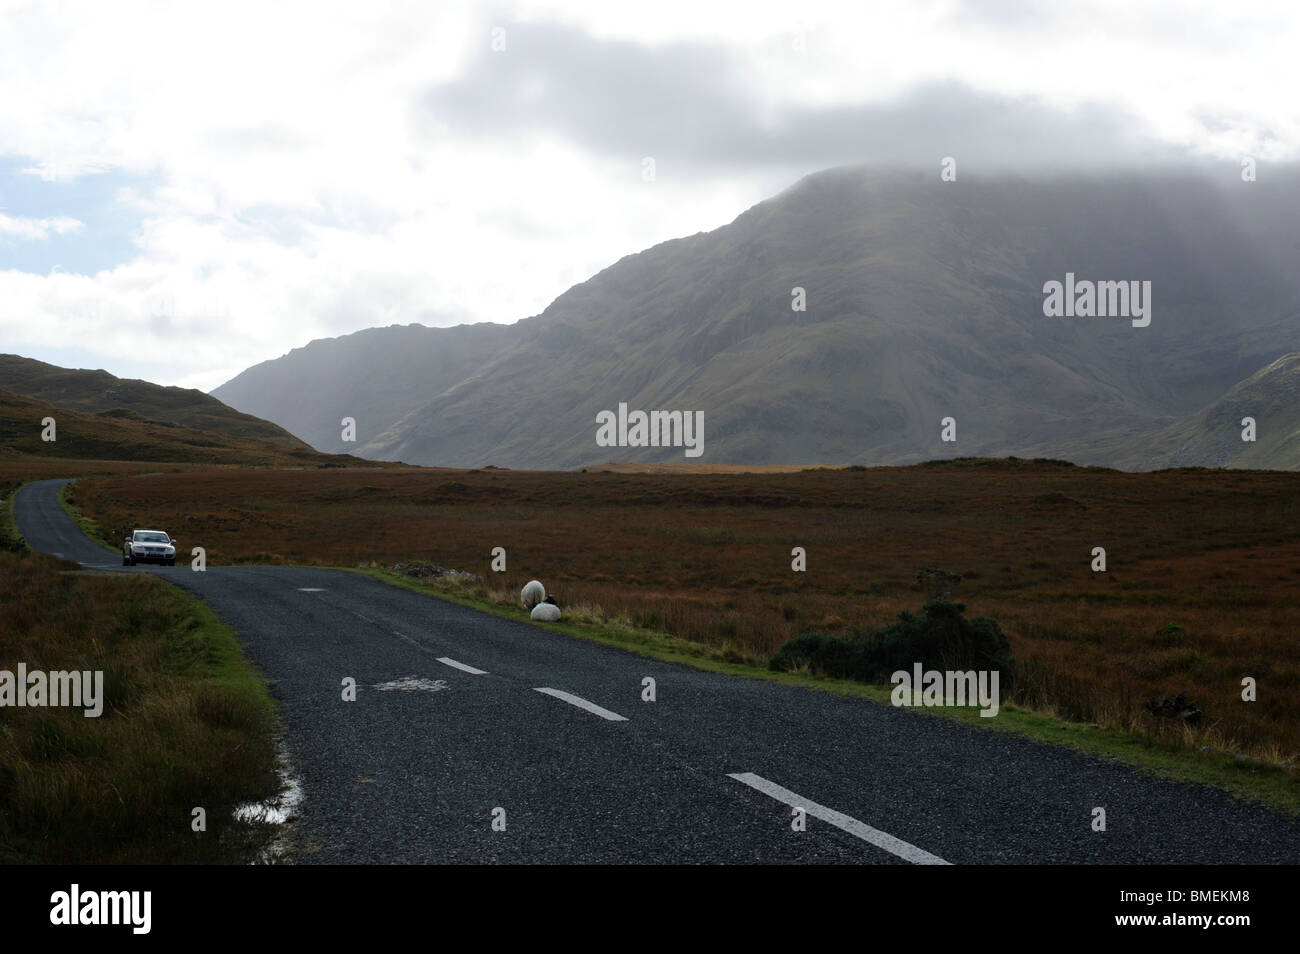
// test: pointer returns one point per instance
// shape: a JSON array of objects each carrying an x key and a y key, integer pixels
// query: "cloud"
[
  {"x": 1005, "y": 14},
  {"x": 689, "y": 104},
  {"x": 34, "y": 230},
  {"x": 615, "y": 96},
  {"x": 269, "y": 174}
]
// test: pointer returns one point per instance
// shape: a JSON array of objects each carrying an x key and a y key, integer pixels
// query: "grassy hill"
[
  {"x": 121, "y": 435},
  {"x": 100, "y": 393}
]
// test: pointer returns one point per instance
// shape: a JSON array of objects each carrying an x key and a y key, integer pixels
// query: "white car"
[{"x": 148, "y": 546}]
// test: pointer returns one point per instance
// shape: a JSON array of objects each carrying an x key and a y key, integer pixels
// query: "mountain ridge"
[{"x": 924, "y": 301}]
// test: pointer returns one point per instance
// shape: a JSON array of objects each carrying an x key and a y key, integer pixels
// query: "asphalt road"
[{"x": 706, "y": 773}]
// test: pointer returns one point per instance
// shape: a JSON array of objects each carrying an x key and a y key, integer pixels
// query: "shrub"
[
  {"x": 938, "y": 584},
  {"x": 940, "y": 638}
]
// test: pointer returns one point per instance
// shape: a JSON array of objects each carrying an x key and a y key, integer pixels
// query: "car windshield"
[{"x": 151, "y": 538}]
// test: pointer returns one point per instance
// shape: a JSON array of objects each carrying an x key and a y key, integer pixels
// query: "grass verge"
[
  {"x": 187, "y": 723},
  {"x": 1274, "y": 786},
  {"x": 89, "y": 527},
  {"x": 10, "y": 539}
]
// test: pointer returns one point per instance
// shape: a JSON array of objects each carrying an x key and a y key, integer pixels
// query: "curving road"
[{"x": 588, "y": 772}]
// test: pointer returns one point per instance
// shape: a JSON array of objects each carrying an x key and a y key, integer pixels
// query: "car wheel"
[{"x": 171, "y": 562}]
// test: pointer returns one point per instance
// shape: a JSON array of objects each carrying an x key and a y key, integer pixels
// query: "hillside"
[
  {"x": 1212, "y": 436},
  {"x": 118, "y": 435},
  {"x": 100, "y": 393},
  {"x": 924, "y": 301},
  {"x": 374, "y": 376}
]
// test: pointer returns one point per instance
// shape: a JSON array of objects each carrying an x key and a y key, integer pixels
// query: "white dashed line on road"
[
  {"x": 895, "y": 846},
  {"x": 461, "y": 666},
  {"x": 582, "y": 703},
  {"x": 310, "y": 589}
]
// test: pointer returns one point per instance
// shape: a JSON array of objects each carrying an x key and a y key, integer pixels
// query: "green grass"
[
  {"x": 187, "y": 722},
  {"x": 10, "y": 538},
  {"x": 89, "y": 527},
  {"x": 1274, "y": 786}
]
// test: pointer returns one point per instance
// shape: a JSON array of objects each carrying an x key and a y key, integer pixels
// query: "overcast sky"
[{"x": 188, "y": 189}]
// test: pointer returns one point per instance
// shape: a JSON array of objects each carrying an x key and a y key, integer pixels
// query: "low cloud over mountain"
[{"x": 924, "y": 301}]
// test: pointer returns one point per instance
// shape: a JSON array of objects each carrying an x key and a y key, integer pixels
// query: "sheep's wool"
[
  {"x": 546, "y": 612},
  {"x": 532, "y": 593}
]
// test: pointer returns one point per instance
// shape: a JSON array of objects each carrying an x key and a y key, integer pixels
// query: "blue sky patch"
[{"x": 109, "y": 226}]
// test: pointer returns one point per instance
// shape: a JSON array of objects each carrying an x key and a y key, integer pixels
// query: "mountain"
[
  {"x": 373, "y": 376},
  {"x": 1213, "y": 436},
  {"x": 100, "y": 393},
  {"x": 925, "y": 300}
]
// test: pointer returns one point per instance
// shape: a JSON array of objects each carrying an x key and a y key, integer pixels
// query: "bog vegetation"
[
  {"x": 941, "y": 638},
  {"x": 1199, "y": 590}
]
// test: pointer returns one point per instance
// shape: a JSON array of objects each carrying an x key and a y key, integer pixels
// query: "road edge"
[{"x": 1273, "y": 787}]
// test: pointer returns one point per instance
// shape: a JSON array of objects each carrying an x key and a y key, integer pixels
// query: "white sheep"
[
  {"x": 532, "y": 594},
  {"x": 547, "y": 612}
]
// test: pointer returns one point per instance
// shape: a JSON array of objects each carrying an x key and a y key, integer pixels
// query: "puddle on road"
[
  {"x": 279, "y": 813},
  {"x": 276, "y": 812}
]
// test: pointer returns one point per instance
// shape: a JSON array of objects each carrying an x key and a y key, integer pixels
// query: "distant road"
[{"x": 553, "y": 730}]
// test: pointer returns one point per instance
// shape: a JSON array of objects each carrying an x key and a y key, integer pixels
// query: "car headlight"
[{"x": 169, "y": 549}]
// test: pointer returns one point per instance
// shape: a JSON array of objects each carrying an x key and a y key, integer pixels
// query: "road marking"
[
  {"x": 582, "y": 703},
  {"x": 310, "y": 589},
  {"x": 412, "y": 684},
  {"x": 405, "y": 638},
  {"x": 843, "y": 822},
  {"x": 461, "y": 666}
]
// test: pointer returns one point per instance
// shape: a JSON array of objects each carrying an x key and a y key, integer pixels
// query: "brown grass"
[
  {"x": 707, "y": 557},
  {"x": 123, "y": 434}
]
